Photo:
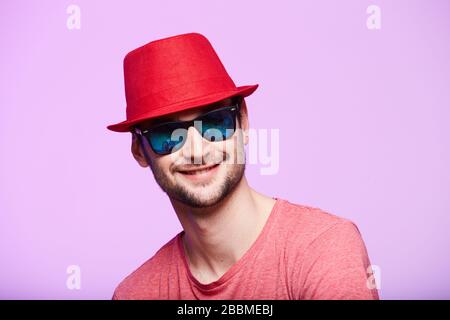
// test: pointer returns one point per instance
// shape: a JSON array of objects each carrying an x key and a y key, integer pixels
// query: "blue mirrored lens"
[
  {"x": 165, "y": 138},
  {"x": 218, "y": 122}
]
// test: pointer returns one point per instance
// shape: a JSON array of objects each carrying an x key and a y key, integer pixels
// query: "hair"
[{"x": 240, "y": 100}]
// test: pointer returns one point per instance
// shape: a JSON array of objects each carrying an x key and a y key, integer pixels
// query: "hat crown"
[
  {"x": 171, "y": 70},
  {"x": 174, "y": 74}
]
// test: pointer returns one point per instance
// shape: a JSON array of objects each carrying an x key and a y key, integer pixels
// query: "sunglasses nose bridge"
[{"x": 193, "y": 146}]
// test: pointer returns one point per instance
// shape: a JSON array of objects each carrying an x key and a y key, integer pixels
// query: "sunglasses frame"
[{"x": 235, "y": 108}]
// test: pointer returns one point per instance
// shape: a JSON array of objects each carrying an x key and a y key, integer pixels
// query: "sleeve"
[{"x": 335, "y": 266}]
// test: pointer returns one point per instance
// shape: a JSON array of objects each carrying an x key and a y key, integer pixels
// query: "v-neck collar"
[{"x": 237, "y": 265}]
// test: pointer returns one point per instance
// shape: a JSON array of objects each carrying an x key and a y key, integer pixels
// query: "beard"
[{"x": 194, "y": 197}]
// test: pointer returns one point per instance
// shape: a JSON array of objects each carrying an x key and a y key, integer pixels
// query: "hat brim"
[{"x": 125, "y": 126}]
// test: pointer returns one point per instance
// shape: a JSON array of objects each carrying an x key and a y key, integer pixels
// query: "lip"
[{"x": 200, "y": 173}]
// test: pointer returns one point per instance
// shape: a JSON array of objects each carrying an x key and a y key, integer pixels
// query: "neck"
[{"x": 216, "y": 237}]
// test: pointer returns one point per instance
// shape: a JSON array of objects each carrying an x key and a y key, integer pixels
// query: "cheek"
[
  {"x": 236, "y": 143},
  {"x": 162, "y": 164},
  {"x": 221, "y": 148}
]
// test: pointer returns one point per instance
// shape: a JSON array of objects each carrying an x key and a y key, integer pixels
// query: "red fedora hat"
[{"x": 174, "y": 74}]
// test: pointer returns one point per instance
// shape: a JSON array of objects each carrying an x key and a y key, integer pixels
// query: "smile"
[{"x": 200, "y": 173}]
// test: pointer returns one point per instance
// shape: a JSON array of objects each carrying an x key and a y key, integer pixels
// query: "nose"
[{"x": 194, "y": 148}]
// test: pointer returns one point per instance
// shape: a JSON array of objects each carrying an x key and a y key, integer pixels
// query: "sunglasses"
[{"x": 215, "y": 125}]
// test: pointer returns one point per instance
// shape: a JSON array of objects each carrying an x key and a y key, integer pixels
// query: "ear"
[
  {"x": 137, "y": 151},
  {"x": 244, "y": 121}
]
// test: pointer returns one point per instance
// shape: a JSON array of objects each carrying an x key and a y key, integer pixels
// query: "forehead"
[{"x": 185, "y": 114}]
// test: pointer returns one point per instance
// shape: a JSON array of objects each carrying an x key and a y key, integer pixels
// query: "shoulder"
[
  {"x": 326, "y": 257},
  {"x": 311, "y": 222},
  {"x": 137, "y": 285},
  {"x": 302, "y": 228}
]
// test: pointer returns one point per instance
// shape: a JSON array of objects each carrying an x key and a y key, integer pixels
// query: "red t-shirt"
[{"x": 302, "y": 252}]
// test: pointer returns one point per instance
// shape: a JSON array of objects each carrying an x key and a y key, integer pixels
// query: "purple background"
[{"x": 363, "y": 118}]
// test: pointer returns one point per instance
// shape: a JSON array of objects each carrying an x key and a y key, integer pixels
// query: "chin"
[
  {"x": 205, "y": 198},
  {"x": 200, "y": 198}
]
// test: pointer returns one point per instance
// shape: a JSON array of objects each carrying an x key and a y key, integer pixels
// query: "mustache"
[{"x": 186, "y": 163}]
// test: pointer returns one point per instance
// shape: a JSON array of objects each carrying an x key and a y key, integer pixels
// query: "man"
[{"x": 189, "y": 124}]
